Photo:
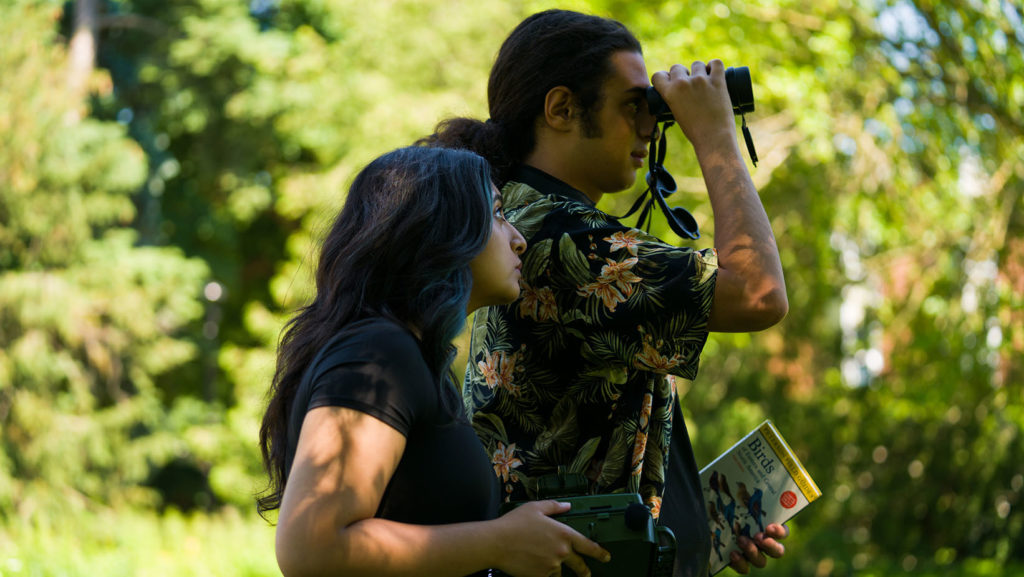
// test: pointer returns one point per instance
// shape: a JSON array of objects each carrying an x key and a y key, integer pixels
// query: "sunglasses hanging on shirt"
[{"x": 660, "y": 183}]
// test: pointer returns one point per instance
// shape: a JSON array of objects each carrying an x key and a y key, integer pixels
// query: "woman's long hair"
[
  {"x": 401, "y": 247},
  {"x": 548, "y": 49}
]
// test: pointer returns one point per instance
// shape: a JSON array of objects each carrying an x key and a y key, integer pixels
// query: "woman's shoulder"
[
  {"x": 374, "y": 340},
  {"x": 378, "y": 361},
  {"x": 377, "y": 328}
]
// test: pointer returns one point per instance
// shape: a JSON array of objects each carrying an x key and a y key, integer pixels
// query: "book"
[{"x": 758, "y": 481}]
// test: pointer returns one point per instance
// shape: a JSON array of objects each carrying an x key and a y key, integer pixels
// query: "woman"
[{"x": 374, "y": 467}]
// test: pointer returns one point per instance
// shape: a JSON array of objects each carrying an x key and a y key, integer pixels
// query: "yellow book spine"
[{"x": 790, "y": 461}]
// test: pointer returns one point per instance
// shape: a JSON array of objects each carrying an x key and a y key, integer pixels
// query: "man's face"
[{"x": 613, "y": 145}]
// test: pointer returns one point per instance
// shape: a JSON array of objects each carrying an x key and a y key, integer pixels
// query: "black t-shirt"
[
  {"x": 683, "y": 511},
  {"x": 375, "y": 366}
]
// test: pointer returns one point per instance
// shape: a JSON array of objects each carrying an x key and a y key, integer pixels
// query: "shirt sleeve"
[
  {"x": 378, "y": 370},
  {"x": 634, "y": 300}
]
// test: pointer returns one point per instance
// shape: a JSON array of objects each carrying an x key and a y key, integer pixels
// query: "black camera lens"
[{"x": 737, "y": 82}]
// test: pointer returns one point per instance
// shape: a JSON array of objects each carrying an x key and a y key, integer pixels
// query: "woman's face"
[{"x": 496, "y": 270}]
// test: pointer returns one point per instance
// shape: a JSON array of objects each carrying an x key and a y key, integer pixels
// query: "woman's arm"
[{"x": 343, "y": 463}]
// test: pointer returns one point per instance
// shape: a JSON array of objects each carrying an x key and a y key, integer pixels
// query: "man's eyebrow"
[{"x": 636, "y": 91}]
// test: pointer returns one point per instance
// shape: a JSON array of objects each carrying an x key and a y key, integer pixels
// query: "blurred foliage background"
[{"x": 167, "y": 166}]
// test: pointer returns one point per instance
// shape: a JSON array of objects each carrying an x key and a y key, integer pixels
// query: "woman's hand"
[{"x": 532, "y": 544}]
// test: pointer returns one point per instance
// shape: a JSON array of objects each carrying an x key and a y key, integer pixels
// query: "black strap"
[
  {"x": 749, "y": 140},
  {"x": 661, "y": 184}
]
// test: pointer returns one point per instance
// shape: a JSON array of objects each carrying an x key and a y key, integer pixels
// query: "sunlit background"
[{"x": 166, "y": 168}]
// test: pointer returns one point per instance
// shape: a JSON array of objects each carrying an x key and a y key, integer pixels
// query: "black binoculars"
[
  {"x": 660, "y": 183},
  {"x": 737, "y": 82}
]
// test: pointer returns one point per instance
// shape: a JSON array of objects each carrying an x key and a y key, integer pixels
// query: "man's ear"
[{"x": 559, "y": 109}]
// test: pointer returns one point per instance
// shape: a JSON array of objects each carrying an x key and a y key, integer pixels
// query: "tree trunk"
[{"x": 82, "y": 50}]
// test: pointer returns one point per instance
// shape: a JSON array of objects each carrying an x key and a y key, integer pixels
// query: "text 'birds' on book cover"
[{"x": 758, "y": 481}]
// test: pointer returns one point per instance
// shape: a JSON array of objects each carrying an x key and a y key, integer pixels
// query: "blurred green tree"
[
  {"x": 891, "y": 142},
  {"x": 254, "y": 117},
  {"x": 89, "y": 319},
  {"x": 159, "y": 217}
]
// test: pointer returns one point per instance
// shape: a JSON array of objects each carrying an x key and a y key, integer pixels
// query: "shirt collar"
[{"x": 547, "y": 184}]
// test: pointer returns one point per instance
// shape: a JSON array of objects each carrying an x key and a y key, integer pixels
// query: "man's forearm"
[{"x": 748, "y": 255}]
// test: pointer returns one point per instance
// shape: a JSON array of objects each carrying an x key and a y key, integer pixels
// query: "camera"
[
  {"x": 619, "y": 522},
  {"x": 623, "y": 526},
  {"x": 737, "y": 82}
]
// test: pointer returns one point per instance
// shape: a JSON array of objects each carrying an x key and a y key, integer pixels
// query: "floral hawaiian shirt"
[{"x": 579, "y": 372}]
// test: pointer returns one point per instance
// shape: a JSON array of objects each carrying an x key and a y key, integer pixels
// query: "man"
[{"x": 578, "y": 375}]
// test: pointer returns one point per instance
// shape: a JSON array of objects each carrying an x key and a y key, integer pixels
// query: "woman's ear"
[{"x": 559, "y": 109}]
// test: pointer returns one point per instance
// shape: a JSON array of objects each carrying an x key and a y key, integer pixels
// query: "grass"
[
  {"x": 227, "y": 543},
  {"x": 139, "y": 543}
]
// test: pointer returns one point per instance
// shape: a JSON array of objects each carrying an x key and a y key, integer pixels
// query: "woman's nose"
[{"x": 518, "y": 242}]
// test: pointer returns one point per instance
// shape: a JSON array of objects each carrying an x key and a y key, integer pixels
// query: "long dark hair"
[
  {"x": 400, "y": 247},
  {"x": 548, "y": 49}
]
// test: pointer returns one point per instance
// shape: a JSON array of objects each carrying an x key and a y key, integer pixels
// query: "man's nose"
[{"x": 647, "y": 125}]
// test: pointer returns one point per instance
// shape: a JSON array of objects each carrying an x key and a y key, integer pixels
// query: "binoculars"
[
  {"x": 660, "y": 183},
  {"x": 737, "y": 82}
]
